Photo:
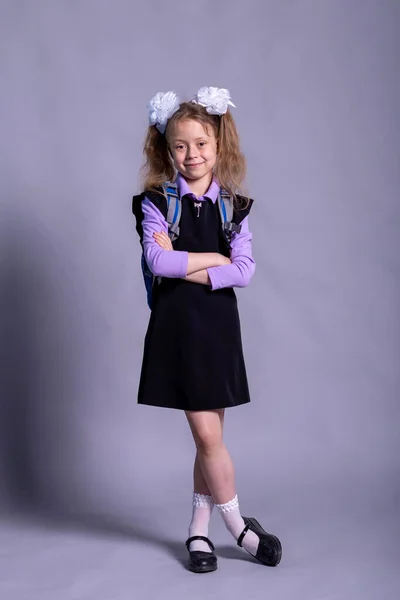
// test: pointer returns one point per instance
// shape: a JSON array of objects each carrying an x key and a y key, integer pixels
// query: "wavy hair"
[{"x": 230, "y": 167}]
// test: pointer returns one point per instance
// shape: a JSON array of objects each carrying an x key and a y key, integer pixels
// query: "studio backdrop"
[{"x": 316, "y": 90}]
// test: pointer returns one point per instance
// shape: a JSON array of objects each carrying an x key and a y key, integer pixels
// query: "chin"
[{"x": 204, "y": 173}]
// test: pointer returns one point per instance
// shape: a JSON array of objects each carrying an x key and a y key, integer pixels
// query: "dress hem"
[{"x": 194, "y": 409}]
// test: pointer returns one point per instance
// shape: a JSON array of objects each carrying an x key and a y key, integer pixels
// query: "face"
[{"x": 193, "y": 149}]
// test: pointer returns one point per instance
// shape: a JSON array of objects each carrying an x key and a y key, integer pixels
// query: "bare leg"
[
  {"x": 199, "y": 483},
  {"x": 212, "y": 456}
]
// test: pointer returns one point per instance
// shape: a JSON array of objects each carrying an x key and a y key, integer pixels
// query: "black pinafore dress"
[{"x": 193, "y": 356}]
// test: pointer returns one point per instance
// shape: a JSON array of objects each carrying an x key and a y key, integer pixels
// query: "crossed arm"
[
  {"x": 198, "y": 262},
  {"x": 206, "y": 268}
]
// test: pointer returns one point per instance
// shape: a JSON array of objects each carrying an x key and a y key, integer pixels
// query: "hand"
[{"x": 163, "y": 240}]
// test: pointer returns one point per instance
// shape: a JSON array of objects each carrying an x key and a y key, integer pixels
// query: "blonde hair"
[{"x": 230, "y": 168}]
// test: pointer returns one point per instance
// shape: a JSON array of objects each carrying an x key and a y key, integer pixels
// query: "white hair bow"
[
  {"x": 161, "y": 108},
  {"x": 215, "y": 100}
]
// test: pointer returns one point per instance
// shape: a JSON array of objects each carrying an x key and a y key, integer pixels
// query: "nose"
[{"x": 191, "y": 152}]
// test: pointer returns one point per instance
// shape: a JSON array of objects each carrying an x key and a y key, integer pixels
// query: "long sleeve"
[
  {"x": 163, "y": 263},
  {"x": 241, "y": 270}
]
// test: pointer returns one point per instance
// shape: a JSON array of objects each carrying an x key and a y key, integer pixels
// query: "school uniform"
[{"x": 193, "y": 356}]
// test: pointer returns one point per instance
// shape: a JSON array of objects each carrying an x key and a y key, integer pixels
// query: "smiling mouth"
[{"x": 195, "y": 165}]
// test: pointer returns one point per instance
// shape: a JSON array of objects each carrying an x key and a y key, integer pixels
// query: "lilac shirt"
[{"x": 173, "y": 263}]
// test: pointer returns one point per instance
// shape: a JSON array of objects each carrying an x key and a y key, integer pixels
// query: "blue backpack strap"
[
  {"x": 174, "y": 211},
  {"x": 225, "y": 206}
]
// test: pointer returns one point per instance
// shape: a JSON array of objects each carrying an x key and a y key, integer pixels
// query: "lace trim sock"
[
  {"x": 234, "y": 523},
  {"x": 202, "y": 510}
]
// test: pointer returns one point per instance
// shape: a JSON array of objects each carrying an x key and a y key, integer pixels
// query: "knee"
[{"x": 207, "y": 440}]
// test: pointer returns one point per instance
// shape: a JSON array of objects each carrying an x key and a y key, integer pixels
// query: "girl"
[{"x": 193, "y": 359}]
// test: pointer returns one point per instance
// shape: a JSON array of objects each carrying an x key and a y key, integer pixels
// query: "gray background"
[{"x": 96, "y": 491}]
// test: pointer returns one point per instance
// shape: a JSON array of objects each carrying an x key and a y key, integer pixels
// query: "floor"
[{"x": 79, "y": 557}]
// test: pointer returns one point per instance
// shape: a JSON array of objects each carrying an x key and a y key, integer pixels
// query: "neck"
[{"x": 200, "y": 186}]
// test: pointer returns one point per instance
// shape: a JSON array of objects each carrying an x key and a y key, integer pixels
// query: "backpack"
[{"x": 174, "y": 212}]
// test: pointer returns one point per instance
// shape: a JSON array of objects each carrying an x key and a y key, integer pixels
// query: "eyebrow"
[{"x": 197, "y": 139}]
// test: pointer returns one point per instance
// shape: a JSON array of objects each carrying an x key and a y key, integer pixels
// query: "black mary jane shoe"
[
  {"x": 269, "y": 551},
  {"x": 201, "y": 562}
]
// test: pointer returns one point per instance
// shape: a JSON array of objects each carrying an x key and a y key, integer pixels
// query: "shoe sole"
[
  {"x": 256, "y": 528},
  {"x": 202, "y": 569}
]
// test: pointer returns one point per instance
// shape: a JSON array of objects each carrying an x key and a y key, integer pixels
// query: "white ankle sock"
[
  {"x": 235, "y": 525},
  {"x": 202, "y": 509}
]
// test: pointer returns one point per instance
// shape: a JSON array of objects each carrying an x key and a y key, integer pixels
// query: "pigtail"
[
  {"x": 231, "y": 163},
  {"x": 158, "y": 167}
]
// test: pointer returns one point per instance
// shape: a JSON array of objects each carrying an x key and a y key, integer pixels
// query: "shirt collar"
[{"x": 211, "y": 193}]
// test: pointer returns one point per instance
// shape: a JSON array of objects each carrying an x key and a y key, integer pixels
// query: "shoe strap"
[
  {"x": 199, "y": 537},
  {"x": 241, "y": 536}
]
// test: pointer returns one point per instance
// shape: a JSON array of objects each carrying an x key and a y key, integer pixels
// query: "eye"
[
  {"x": 179, "y": 147},
  {"x": 202, "y": 143}
]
